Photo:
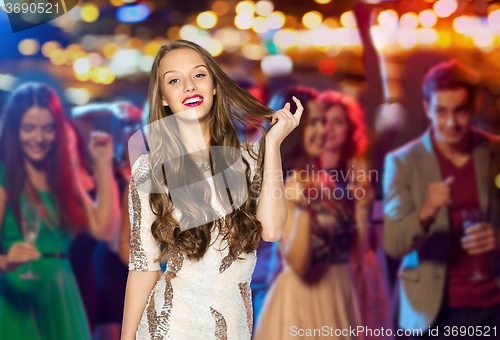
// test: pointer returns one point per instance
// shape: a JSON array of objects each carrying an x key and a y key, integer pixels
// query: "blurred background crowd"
[{"x": 363, "y": 62}]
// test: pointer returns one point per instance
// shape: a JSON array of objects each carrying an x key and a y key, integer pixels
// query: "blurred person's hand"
[
  {"x": 438, "y": 195},
  {"x": 480, "y": 239},
  {"x": 101, "y": 147},
  {"x": 19, "y": 253}
]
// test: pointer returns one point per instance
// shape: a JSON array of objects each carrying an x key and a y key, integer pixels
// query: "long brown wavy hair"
[{"x": 243, "y": 231}]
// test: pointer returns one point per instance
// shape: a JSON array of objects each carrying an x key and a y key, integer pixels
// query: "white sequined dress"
[{"x": 193, "y": 300}]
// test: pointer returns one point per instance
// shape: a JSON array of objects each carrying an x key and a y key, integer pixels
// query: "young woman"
[
  {"x": 315, "y": 288},
  {"x": 205, "y": 291},
  {"x": 344, "y": 153},
  {"x": 36, "y": 170}
]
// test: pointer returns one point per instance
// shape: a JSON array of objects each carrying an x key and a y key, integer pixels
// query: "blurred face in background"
[
  {"x": 186, "y": 82},
  {"x": 37, "y": 133},
  {"x": 337, "y": 127},
  {"x": 314, "y": 133},
  {"x": 450, "y": 113}
]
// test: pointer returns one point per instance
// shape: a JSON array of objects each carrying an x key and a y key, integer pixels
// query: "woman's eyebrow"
[{"x": 178, "y": 70}]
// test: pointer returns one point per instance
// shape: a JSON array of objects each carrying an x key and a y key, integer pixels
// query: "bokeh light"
[
  {"x": 206, "y": 19},
  {"x": 49, "y": 47},
  {"x": 312, "y": 19},
  {"x": 276, "y": 65},
  {"x": 388, "y": 18},
  {"x": 82, "y": 66},
  {"x": 483, "y": 38},
  {"x": 260, "y": 25},
  {"x": 28, "y": 47},
  {"x": 134, "y": 13},
  {"x": 247, "y": 7},
  {"x": 220, "y": 7},
  {"x": 407, "y": 38},
  {"x": 264, "y": 7},
  {"x": 445, "y": 8},
  {"x": 327, "y": 66},
  {"x": 244, "y": 21},
  {"x": 275, "y": 20},
  {"x": 427, "y": 18},
  {"x": 117, "y": 3},
  {"x": 285, "y": 38},
  {"x": 253, "y": 51},
  {"x": 77, "y": 96},
  {"x": 348, "y": 19},
  {"x": 409, "y": 20},
  {"x": 427, "y": 36},
  {"x": 90, "y": 12},
  {"x": 494, "y": 19}
]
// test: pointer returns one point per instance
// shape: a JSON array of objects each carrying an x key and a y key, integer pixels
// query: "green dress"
[{"x": 47, "y": 308}]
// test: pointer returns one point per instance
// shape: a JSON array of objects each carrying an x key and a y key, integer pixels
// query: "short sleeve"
[
  {"x": 256, "y": 180},
  {"x": 144, "y": 249}
]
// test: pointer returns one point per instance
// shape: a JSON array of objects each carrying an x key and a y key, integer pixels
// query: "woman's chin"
[{"x": 35, "y": 157}]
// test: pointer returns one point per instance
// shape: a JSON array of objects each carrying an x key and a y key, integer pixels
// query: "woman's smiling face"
[{"x": 186, "y": 82}]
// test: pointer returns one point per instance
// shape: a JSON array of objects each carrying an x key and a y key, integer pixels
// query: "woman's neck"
[
  {"x": 195, "y": 137},
  {"x": 36, "y": 173},
  {"x": 331, "y": 158}
]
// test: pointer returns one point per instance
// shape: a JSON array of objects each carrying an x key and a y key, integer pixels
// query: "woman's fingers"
[
  {"x": 300, "y": 109},
  {"x": 283, "y": 118}
]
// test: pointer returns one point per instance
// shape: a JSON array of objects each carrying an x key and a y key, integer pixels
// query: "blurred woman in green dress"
[{"x": 36, "y": 171}]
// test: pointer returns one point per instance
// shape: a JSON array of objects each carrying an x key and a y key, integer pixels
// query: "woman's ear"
[
  {"x": 214, "y": 91},
  {"x": 164, "y": 101}
]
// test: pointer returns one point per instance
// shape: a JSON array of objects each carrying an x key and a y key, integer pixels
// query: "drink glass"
[
  {"x": 470, "y": 218},
  {"x": 30, "y": 227}
]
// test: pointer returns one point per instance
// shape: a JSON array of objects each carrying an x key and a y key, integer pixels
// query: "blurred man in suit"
[{"x": 434, "y": 188}]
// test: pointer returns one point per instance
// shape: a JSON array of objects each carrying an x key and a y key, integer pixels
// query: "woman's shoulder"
[{"x": 141, "y": 169}]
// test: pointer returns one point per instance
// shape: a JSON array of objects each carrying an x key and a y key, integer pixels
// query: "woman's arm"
[
  {"x": 362, "y": 205},
  {"x": 272, "y": 212},
  {"x": 144, "y": 250},
  {"x": 139, "y": 287},
  {"x": 102, "y": 215},
  {"x": 272, "y": 209},
  {"x": 296, "y": 241}
]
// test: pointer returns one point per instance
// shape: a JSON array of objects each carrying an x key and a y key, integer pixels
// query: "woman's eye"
[
  {"x": 27, "y": 129},
  {"x": 199, "y": 75},
  {"x": 173, "y": 81},
  {"x": 50, "y": 129}
]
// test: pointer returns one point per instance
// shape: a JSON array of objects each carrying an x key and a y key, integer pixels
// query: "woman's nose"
[
  {"x": 189, "y": 86},
  {"x": 39, "y": 136}
]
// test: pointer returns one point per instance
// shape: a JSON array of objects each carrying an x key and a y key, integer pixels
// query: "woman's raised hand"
[
  {"x": 101, "y": 147},
  {"x": 283, "y": 122}
]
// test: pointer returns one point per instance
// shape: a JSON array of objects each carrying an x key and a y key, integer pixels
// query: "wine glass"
[
  {"x": 470, "y": 218},
  {"x": 30, "y": 227}
]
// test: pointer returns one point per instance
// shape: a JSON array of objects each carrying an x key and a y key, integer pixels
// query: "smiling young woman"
[{"x": 205, "y": 291}]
